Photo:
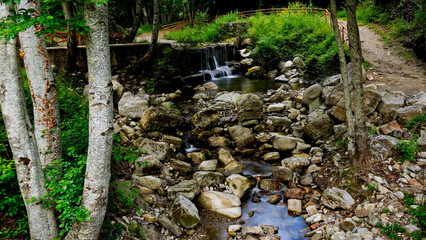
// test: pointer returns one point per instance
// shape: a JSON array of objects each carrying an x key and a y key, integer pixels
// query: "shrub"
[{"x": 408, "y": 150}]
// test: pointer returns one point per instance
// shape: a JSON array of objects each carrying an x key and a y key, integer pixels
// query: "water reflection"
[{"x": 241, "y": 83}]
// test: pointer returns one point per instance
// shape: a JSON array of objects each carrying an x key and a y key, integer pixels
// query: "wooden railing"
[
  {"x": 177, "y": 26},
  {"x": 59, "y": 37}
]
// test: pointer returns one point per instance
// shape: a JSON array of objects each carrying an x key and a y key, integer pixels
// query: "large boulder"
[
  {"x": 419, "y": 99},
  {"x": 337, "y": 198},
  {"x": 383, "y": 146},
  {"x": 189, "y": 189},
  {"x": 333, "y": 80},
  {"x": 371, "y": 100},
  {"x": 249, "y": 102},
  {"x": 389, "y": 105},
  {"x": 295, "y": 162},
  {"x": 225, "y": 156},
  {"x": 206, "y": 179},
  {"x": 242, "y": 136},
  {"x": 160, "y": 119},
  {"x": 229, "y": 97},
  {"x": 205, "y": 118},
  {"x": 319, "y": 126},
  {"x": 159, "y": 150},
  {"x": 133, "y": 106},
  {"x": 223, "y": 203},
  {"x": 184, "y": 212},
  {"x": 407, "y": 113},
  {"x": 146, "y": 165},
  {"x": 282, "y": 173},
  {"x": 333, "y": 96},
  {"x": 256, "y": 72},
  {"x": 298, "y": 63},
  {"x": 285, "y": 143},
  {"x": 350, "y": 74},
  {"x": 311, "y": 93},
  {"x": 238, "y": 184}
]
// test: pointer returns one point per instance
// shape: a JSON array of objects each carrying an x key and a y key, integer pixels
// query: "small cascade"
[{"x": 215, "y": 61}]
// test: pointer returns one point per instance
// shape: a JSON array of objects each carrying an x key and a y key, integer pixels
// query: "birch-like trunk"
[
  {"x": 155, "y": 22},
  {"x": 21, "y": 140},
  {"x": 72, "y": 44},
  {"x": 346, "y": 87},
  {"x": 43, "y": 90},
  {"x": 358, "y": 92},
  {"x": 96, "y": 183}
]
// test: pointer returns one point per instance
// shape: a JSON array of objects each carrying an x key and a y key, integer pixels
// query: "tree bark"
[
  {"x": 136, "y": 23},
  {"x": 95, "y": 193},
  {"x": 358, "y": 92},
  {"x": 72, "y": 43},
  {"x": 22, "y": 141},
  {"x": 346, "y": 87},
  {"x": 43, "y": 90}
]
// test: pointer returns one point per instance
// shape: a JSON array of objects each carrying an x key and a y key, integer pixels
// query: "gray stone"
[
  {"x": 294, "y": 205},
  {"x": 225, "y": 156},
  {"x": 205, "y": 118},
  {"x": 238, "y": 184},
  {"x": 279, "y": 122},
  {"x": 147, "y": 165},
  {"x": 285, "y": 143},
  {"x": 278, "y": 107},
  {"x": 229, "y": 97},
  {"x": 383, "y": 146},
  {"x": 206, "y": 179},
  {"x": 347, "y": 224},
  {"x": 181, "y": 166},
  {"x": 389, "y": 105},
  {"x": 252, "y": 230},
  {"x": 282, "y": 173},
  {"x": 223, "y": 203},
  {"x": 295, "y": 162},
  {"x": 185, "y": 212},
  {"x": 406, "y": 113},
  {"x": 333, "y": 96},
  {"x": 170, "y": 225},
  {"x": 196, "y": 157},
  {"x": 337, "y": 198},
  {"x": 282, "y": 78},
  {"x": 159, "y": 150},
  {"x": 271, "y": 156},
  {"x": 219, "y": 142},
  {"x": 247, "y": 62},
  {"x": 133, "y": 106},
  {"x": 306, "y": 179},
  {"x": 298, "y": 63},
  {"x": 189, "y": 189},
  {"x": 150, "y": 182},
  {"x": 206, "y": 86},
  {"x": 208, "y": 165},
  {"x": 364, "y": 209},
  {"x": 371, "y": 100},
  {"x": 160, "y": 119},
  {"x": 419, "y": 99},
  {"x": 333, "y": 80},
  {"x": 319, "y": 126},
  {"x": 256, "y": 72},
  {"x": 243, "y": 136},
  {"x": 311, "y": 93},
  {"x": 249, "y": 102},
  {"x": 117, "y": 89}
]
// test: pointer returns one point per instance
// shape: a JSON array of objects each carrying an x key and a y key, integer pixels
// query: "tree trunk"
[
  {"x": 358, "y": 92},
  {"x": 96, "y": 183},
  {"x": 145, "y": 15},
  {"x": 22, "y": 142},
  {"x": 71, "y": 63},
  {"x": 136, "y": 23},
  {"x": 43, "y": 90},
  {"x": 346, "y": 87}
]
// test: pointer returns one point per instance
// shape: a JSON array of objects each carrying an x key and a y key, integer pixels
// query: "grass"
[{"x": 278, "y": 37}]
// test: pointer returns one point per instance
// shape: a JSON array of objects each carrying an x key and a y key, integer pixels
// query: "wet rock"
[
  {"x": 206, "y": 179},
  {"x": 225, "y": 156},
  {"x": 238, "y": 184},
  {"x": 170, "y": 225},
  {"x": 133, "y": 106},
  {"x": 315, "y": 218},
  {"x": 150, "y": 182},
  {"x": 313, "y": 169},
  {"x": 282, "y": 78},
  {"x": 282, "y": 173},
  {"x": 348, "y": 224},
  {"x": 337, "y": 198},
  {"x": 312, "y": 210},
  {"x": 319, "y": 126},
  {"x": 189, "y": 189},
  {"x": 158, "y": 150},
  {"x": 196, "y": 157},
  {"x": 271, "y": 156},
  {"x": 233, "y": 229},
  {"x": 389, "y": 105},
  {"x": 242, "y": 136},
  {"x": 208, "y": 165},
  {"x": 311, "y": 93},
  {"x": 256, "y": 72},
  {"x": 275, "y": 199},
  {"x": 223, "y": 203},
  {"x": 181, "y": 166},
  {"x": 219, "y": 142},
  {"x": 252, "y": 230},
  {"x": 160, "y": 119},
  {"x": 245, "y": 52},
  {"x": 205, "y": 118},
  {"x": 294, "y": 205},
  {"x": 285, "y": 143},
  {"x": 269, "y": 185},
  {"x": 295, "y": 162},
  {"x": 185, "y": 212},
  {"x": 294, "y": 193},
  {"x": 147, "y": 165},
  {"x": 206, "y": 86},
  {"x": 229, "y": 97},
  {"x": 406, "y": 113},
  {"x": 256, "y": 197}
]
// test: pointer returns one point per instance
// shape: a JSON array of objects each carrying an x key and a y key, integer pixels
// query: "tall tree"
[
  {"x": 96, "y": 183},
  {"x": 358, "y": 92},
  {"x": 22, "y": 142},
  {"x": 346, "y": 86},
  {"x": 136, "y": 22},
  {"x": 72, "y": 44},
  {"x": 43, "y": 89}
]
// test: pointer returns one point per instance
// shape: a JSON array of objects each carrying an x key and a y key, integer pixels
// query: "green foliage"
[
  {"x": 419, "y": 218},
  {"x": 112, "y": 229},
  {"x": 391, "y": 230},
  {"x": 408, "y": 149},
  {"x": 150, "y": 85},
  {"x": 11, "y": 202},
  {"x": 417, "y": 122},
  {"x": 22, "y": 229},
  {"x": 408, "y": 199},
  {"x": 120, "y": 153}
]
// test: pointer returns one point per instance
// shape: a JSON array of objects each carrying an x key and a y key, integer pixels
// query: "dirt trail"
[
  {"x": 146, "y": 37},
  {"x": 390, "y": 71}
]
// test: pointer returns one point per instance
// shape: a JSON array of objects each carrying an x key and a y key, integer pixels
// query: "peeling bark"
[
  {"x": 98, "y": 173},
  {"x": 358, "y": 92},
  {"x": 346, "y": 87},
  {"x": 43, "y": 90},
  {"x": 22, "y": 141}
]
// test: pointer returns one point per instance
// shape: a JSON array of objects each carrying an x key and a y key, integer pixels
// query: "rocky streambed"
[{"x": 232, "y": 165}]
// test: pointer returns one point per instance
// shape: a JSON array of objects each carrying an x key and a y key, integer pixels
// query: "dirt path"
[
  {"x": 390, "y": 71},
  {"x": 146, "y": 37}
]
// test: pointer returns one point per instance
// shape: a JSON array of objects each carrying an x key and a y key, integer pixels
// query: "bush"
[{"x": 408, "y": 149}]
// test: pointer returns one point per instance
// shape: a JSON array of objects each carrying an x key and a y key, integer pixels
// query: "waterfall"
[{"x": 215, "y": 60}]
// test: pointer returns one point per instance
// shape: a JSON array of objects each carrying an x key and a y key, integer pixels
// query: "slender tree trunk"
[
  {"x": 346, "y": 87},
  {"x": 96, "y": 183},
  {"x": 145, "y": 15},
  {"x": 43, "y": 90},
  {"x": 136, "y": 22},
  {"x": 358, "y": 92},
  {"x": 22, "y": 141},
  {"x": 71, "y": 64}
]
